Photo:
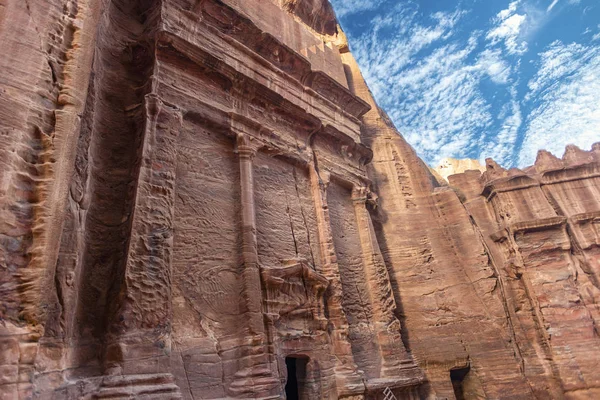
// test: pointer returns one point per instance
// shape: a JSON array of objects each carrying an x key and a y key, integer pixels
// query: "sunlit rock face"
[
  {"x": 200, "y": 199},
  {"x": 317, "y": 14},
  {"x": 451, "y": 166}
]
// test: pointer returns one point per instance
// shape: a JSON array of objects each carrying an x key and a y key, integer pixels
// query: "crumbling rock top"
[{"x": 451, "y": 166}]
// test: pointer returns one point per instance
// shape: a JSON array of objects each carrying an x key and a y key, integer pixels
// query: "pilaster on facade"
[
  {"x": 256, "y": 372},
  {"x": 397, "y": 366}
]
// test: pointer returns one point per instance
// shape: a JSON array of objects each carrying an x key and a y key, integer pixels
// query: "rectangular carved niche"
[
  {"x": 207, "y": 284},
  {"x": 285, "y": 213}
]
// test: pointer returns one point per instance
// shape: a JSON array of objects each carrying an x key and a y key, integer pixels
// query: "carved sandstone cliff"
[{"x": 200, "y": 199}]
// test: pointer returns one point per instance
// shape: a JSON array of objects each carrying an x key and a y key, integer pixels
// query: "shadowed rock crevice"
[{"x": 106, "y": 175}]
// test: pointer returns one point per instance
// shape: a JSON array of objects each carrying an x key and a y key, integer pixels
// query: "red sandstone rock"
[{"x": 200, "y": 198}]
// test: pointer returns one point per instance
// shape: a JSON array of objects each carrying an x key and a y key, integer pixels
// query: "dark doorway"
[
  {"x": 457, "y": 376},
  {"x": 296, "y": 372}
]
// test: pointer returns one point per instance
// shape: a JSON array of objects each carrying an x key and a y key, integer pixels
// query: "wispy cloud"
[
  {"x": 597, "y": 35},
  {"x": 349, "y": 7},
  {"x": 430, "y": 82},
  {"x": 502, "y": 145},
  {"x": 565, "y": 94},
  {"x": 556, "y": 63},
  {"x": 444, "y": 109},
  {"x": 508, "y": 28},
  {"x": 555, "y": 2},
  {"x": 460, "y": 93},
  {"x": 492, "y": 62},
  {"x": 551, "y": 6}
]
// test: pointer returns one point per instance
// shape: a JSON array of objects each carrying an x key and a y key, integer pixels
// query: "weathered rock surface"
[
  {"x": 200, "y": 199},
  {"x": 452, "y": 166}
]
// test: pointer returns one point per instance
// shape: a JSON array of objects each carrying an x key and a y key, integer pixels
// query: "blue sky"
[{"x": 482, "y": 78}]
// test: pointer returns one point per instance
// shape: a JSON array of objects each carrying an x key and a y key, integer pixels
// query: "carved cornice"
[
  {"x": 530, "y": 226},
  {"x": 231, "y": 122},
  {"x": 538, "y": 224},
  {"x": 585, "y": 217},
  {"x": 348, "y": 148},
  {"x": 229, "y": 22},
  {"x": 336, "y": 93},
  {"x": 186, "y": 50},
  {"x": 509, "y": 184},
  {"x": 548, "y": 170},
  {"x": 570, "y": 174},
  {"x": 585, "y": 228}
]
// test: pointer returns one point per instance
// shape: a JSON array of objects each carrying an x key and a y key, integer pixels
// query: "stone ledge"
[
  {"x": 529, "y": 226},
  {"x": 230, "y": 23},
  {"x": 538, "y": 224},
  {"x": 571, "y": 173},
  {"x": 509, "y": 184},
  {"x": 585, "y": 217}
]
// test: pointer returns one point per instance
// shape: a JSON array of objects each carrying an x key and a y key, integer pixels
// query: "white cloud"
[
  {"x": 437, "y": 103},
  {"x": 348, "y": 7},
  {"x": 554, "y": 2},
  {"x": 494, "y": 65},
  {"x": 461, "y": 95},
  {"x": 557, "y": 62},
  {"x": 394, "y": 42},
  {"x": 429, "y": 81},
  {"x": 508, "y": 28},
  {"x": 551, "y": 6},
  {"x": 565, "y": 95},
  {"x": 512, "y": 8},
  {"x": 501, "y": 146}
]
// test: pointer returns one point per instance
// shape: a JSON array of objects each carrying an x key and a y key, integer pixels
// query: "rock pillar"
[
  {"x": 139, "y": 340},
  {"x": 255, "y": 374}
]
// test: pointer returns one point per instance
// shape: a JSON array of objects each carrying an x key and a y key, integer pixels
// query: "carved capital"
[
  {"x": 153, "y": 105},
  {"x": 360, "y": 194},
  {"x": 244, "y": 147},
  {"x": 324, "y": 180}
]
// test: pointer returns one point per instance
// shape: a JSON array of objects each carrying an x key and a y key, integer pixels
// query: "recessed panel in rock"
[
  {"x": 207, "y": 248},
  {"x": 285, "y": 213},
  {"x": 356, "y": 294}
]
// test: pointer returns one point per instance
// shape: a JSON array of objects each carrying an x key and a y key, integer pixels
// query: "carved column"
[
  {"x": 387, "y": 327},
  {"x": 139, "y": 343},
  {"x": 251, "y": 271},
  {"x": 255, "y": 376},
  {"x": 348, "y": 379}
]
